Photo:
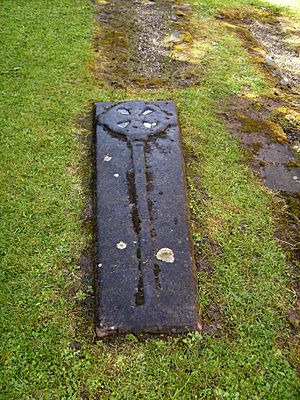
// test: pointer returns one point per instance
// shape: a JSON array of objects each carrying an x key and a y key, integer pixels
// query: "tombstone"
[{"x": 145, "y": 266}]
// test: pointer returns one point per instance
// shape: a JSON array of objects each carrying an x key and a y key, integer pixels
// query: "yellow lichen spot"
[
  {"x": 201, "y": 50},
  {"x": 276, "y": 131},
  {"x": 288, "y": 118},
  {"x": 250, "y": 96},
  {"x": 229, "y": 25},
  {"x": 264, "y": 127},
  {"x": 289, "y": 115}
]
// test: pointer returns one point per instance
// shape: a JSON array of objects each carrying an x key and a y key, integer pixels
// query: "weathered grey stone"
[
  {"x": 145, "y": 266},
  {"x": 282, "y": 177}
]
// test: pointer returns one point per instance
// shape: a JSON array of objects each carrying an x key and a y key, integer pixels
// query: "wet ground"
[
  {"x": 269, "y": 148},
  {"x": 273, "y": 155}
]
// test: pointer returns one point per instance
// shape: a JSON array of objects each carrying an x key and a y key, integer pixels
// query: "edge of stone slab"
[
  {"x": 174, "y": 331},
  {"x": 115, "y": 332}
]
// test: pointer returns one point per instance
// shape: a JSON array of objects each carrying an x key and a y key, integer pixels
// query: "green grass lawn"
[{"x": 46, "y": 87}]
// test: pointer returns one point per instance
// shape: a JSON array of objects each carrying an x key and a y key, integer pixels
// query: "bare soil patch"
[
  {"x": 139, "y": 41},
  {"x": 272, "y": 40},
  {"x": 279, "y": 53}
]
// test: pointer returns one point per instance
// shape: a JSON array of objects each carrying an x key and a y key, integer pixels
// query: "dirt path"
[
  {"x": 145, "y": 44},
  {"x": 152, "y": 24},
  {"x": 277, "y": 39}
]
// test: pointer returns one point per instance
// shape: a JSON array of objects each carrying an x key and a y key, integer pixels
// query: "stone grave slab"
[{"x": 145, "y": 266}]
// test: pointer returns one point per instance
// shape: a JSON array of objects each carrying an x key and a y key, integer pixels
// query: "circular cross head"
[{"x": 135, "y": 120}]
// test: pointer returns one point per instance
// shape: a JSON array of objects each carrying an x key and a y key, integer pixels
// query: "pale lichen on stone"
[
  {"x": 121, "y": 245},
  {"x": 165, "y": 254}
]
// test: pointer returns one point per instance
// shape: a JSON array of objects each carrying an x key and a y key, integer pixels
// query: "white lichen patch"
[
  {"x": 107, "y": 158},
  {"x": 121, "y": 245},
  {"x": 116, "y": 175},
  {"x": 165, "y": 254}
]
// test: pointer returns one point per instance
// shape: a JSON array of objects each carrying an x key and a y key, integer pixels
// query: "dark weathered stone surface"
[
  {"x": 145, "y": 265},
  {"x": 278, "y": 171}
]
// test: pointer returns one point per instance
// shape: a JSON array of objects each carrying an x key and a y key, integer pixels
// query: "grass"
[{"x": 47, "y": 348}]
